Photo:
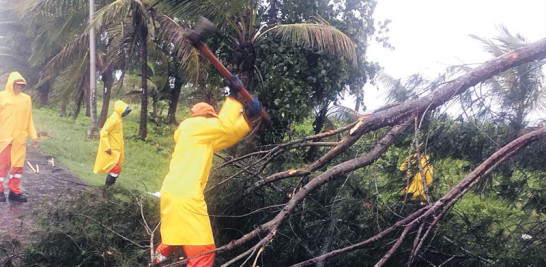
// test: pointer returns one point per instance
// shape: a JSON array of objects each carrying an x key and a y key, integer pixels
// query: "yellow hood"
[
  {"x": 14, "y": 76},
  {"x": 119, "y": 107}
]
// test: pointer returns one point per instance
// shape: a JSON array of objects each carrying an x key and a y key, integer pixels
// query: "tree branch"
[
  {"x": 394, "y": 114},
  {"x": 447, "y": 200}
]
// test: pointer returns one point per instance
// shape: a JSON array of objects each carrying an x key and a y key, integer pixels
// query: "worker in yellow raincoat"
[
  {"x": 110, "y": 154},
  {"x": 415, "y": 189},
  {"x": 184, "y": 217},
  {"x": 15, "y": 125}
]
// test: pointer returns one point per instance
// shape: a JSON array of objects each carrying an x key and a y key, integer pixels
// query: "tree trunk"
[
  {"x": 143, "y": 131},
  {"x": 317, "y": 127},
  {"x": 79, "y": 101},
  {"x": 44, "y": 93},
  {"x": 155, "y": 99},
  {"x": 108, "y": 81},
  {"x": 62, "y": 112},
  {"x": 175, "y": 96},
  {"x": 359, "y": 96},
  {"x": 80, "y": 96},
  {"x": 93, "y": 132},
  {"x": 87, "y": 101}
]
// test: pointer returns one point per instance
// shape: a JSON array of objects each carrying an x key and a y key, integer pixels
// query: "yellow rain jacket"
[
  {"x": 15, "y": 121},
  {"x": 416, "y": 186},
  {"x": 111, "y": 137},
  {"x": 184, "y": 216}
]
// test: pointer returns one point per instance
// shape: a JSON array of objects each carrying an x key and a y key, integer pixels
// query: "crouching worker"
[
  {"x": 15, "y": 125},
  {"x": 110, "y": 154},
  {"x": 184, "y": 218}
]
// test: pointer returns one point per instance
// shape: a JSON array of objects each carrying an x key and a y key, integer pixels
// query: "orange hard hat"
[{"x": 201, "y": 109}]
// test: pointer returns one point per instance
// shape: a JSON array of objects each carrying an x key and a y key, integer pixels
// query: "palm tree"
[
  {"x": 239, "y": 21},
  {"x": 137, "y": 19},
  {"x": 54, "y": 24},
  {"x": 241, "y": 18},
  {"x": 122, "y": 24},
  {"x": 126, "y": 24},
  {"x": 62, "y": 42},
  {"x": 519, "y": 90}
]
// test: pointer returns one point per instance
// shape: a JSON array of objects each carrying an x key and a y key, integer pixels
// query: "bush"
[{"x": 100, "y": 227}]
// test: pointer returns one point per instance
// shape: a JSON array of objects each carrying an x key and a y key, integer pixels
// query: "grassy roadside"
[{"x": 145, "y": 165}]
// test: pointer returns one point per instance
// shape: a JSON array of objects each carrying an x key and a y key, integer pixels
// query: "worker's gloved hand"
[
  {"x": 235, "y": 85},
  {"x": 254, "y": 108}
]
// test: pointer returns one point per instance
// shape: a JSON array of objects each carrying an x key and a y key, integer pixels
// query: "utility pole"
[{"x": 93, "y": 131}]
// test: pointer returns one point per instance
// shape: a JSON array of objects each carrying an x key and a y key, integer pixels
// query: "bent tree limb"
[
  {"x": 394, "y": 114},
  {"x": 444, "y": 203},
  {"x": 389, "y": 117},
  {"x": 342, "y": 168}
]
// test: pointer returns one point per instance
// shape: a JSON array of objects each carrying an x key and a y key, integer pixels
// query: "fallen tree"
[{"x": 398, "y": 117}]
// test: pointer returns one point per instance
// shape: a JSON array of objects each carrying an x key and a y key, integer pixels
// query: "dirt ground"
[{"x": 44, "y": 189}]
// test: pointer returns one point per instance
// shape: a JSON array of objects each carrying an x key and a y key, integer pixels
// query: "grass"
[{"x": 145, "y": 165}]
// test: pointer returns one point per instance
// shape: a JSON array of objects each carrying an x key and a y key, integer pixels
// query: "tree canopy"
[{"x": 323, "y": 185}]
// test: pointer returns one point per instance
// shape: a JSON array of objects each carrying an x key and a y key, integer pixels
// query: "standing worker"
[
  {"x": 15, "y": 125},
  {"x": 184, "y": 217},
  {"x": 110, "y": 154},
  {"x": 415, "y": 189}
]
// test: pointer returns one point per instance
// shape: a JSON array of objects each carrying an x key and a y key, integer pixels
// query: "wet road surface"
[{"x": 44, "y": 190}]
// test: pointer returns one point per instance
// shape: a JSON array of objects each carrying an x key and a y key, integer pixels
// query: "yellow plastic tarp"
[
  {"x": 111, "y": 137},
  {"x": 184, "y": 216},
  {"x": 15, "y": 121},
  {"x": 416, "y": 186}
]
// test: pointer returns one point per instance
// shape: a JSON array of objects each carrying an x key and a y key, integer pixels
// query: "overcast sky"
[{"x": 429, "y": 35}]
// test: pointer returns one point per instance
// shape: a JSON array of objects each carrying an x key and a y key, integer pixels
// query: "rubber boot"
[
  {"x": 17, "y": 197},
  {"x": 110, "y": 180},
  {"x": 2, "y": 197}
]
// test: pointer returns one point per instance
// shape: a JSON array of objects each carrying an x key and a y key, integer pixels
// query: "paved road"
[{"x": 44, "y": 190}]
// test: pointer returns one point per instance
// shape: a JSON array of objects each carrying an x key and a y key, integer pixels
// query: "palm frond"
[
  {"x": 112, "y": 13},
  {"x": 323, "y": 37},
  {"x": 174, "y": 36},
  {"x": 518, "y": 90},
  {"x": 57, "y": 7},
  {"x": 215, "y": 10},
  {"x": 53, "y": 35},
  {"x": 489, "y": 46},
  {"x": 345, "y": 114},
  {"x": 71, "y": 52},
  {"x": 121, "y": 46},
  {"x": 69, "y": 80}
]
